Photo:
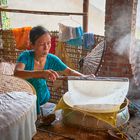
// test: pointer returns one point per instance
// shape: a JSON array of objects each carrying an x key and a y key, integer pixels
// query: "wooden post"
[{"x": 85, "y": 17}]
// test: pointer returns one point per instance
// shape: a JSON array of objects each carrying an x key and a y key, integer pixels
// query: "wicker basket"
[{"x": 11, "y": 83}]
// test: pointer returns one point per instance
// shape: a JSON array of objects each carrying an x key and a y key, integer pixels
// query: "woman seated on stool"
[{"x": 38, "y": 64}]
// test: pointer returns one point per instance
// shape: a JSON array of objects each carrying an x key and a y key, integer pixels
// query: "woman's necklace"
[{"x": 39, "y": 60}]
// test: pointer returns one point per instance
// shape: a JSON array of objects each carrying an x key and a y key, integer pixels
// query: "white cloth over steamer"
[{"x": 98, "y": 95}]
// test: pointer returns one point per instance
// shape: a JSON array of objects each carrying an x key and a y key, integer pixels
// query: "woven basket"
[{"x": 11, "y": 83}]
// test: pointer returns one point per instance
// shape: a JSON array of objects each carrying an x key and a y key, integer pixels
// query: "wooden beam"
[
  {"x": 85, "y": 17},
  {"x": 41, "y": 12}
]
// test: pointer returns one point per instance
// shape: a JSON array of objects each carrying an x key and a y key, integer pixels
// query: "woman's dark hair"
[{"x": 36, "y": 32}]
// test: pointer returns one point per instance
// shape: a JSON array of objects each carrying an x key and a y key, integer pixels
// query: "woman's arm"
[
  {"x": 26, "y": 74},
  {"x": 70, "y": 72}
]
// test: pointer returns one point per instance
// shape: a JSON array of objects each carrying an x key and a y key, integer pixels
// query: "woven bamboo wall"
[{"x": 9, "y": 52}]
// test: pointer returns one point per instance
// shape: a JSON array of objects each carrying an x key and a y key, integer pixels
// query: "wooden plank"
[{"x": 40, "y": 12}]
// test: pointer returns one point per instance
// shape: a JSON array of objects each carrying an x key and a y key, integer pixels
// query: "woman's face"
[{"x": 42, "y": 45}]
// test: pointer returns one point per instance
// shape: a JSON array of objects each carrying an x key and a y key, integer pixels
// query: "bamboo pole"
[{"x": 41, "y": 12}]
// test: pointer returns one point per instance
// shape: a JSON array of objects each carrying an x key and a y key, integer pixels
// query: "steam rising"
[{"x": 122, "y": 45}]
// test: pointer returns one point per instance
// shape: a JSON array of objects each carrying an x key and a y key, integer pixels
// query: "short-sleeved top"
[{"x": 40, "y": 85}]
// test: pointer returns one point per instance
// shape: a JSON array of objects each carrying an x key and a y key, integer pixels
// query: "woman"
[{"x": 38, "y": 64}]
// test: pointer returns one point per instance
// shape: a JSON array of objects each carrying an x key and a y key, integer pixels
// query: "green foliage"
[{"x": 4, "y": 17}]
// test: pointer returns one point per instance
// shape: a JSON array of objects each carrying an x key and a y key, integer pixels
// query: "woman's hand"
[
  {"x": 89, "y": 76},
  {"x": 50, "y": 74}
]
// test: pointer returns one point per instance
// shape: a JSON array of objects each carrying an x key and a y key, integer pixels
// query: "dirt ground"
[{"x": 133, "y": 128}]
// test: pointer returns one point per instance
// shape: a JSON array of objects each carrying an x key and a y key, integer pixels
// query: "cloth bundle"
[
  {"x": 71, "y": 35},
  {"x": 74, "y": 36}
]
